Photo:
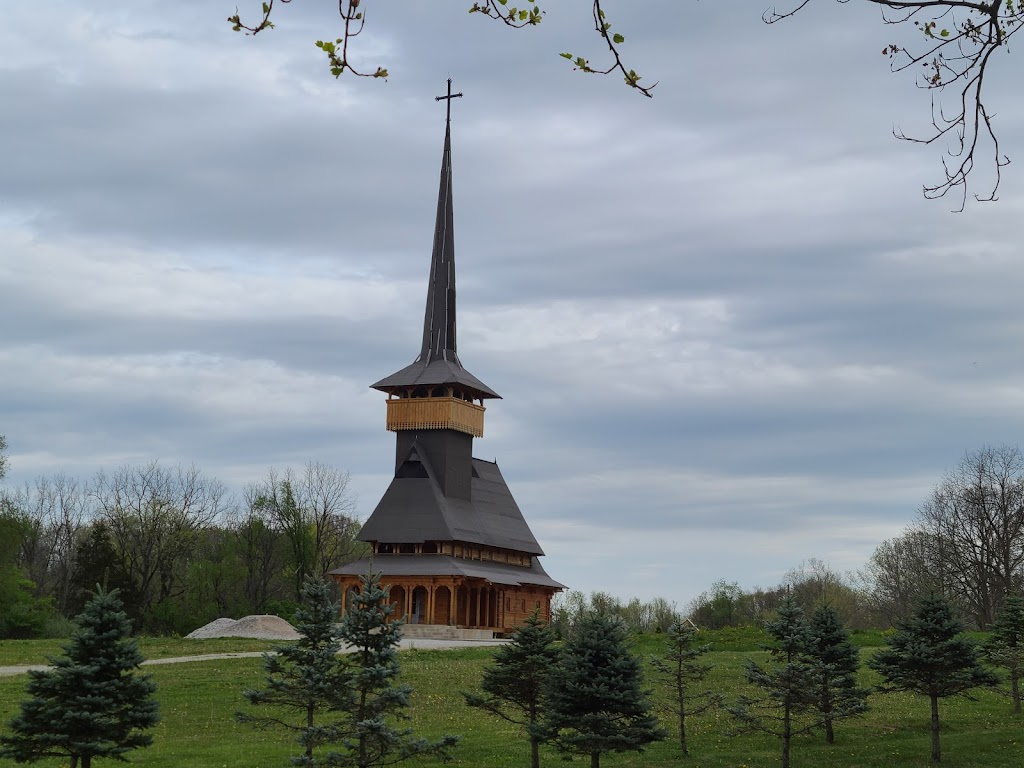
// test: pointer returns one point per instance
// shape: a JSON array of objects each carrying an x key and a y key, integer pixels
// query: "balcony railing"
[{"x": 435, "y": 413}]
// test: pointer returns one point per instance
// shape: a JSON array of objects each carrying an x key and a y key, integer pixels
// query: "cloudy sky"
[{"x": 729, "y": 332}]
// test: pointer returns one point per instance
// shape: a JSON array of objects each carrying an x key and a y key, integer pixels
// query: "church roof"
[
  {"x": 414, "y": 509},
  {"x": 438, "y": 362},
  {"x": 443, "y": 565}
]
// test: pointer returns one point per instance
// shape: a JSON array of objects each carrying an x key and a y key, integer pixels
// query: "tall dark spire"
[
  {"x": 439, "y": 319},
  {"x": 438, "y": 362}
]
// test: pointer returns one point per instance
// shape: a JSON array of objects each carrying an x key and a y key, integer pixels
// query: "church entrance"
[
  {"x": 397, "y": 596},
  {"x": 419, "y": 606},
  {"x": 443, "y": 606}
]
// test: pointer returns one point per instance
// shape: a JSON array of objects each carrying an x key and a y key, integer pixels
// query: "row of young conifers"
[{"x": 583, "y": 695}]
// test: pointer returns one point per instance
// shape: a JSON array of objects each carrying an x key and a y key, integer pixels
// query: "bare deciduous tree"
[
  {"x": 899, "y": 574},
  {"x": 974, "y": 526},
  {"x": 260, "y": 547},
  {"x": 152, "y": 513},
  {"x": 314, "y": 512},
  {"x": 67, "y": 512}
]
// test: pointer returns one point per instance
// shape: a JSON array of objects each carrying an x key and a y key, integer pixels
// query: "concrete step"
[{"x": 444, "y": 632}]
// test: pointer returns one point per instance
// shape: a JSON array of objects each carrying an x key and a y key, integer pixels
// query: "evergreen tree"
[
  {"x": 22, "y": 615},
  {"x": 788, "y": 706},
  {"x": 97, "y": 562},
  {"x": 90, "y": 703},
  {"x": 594, "y": 700},
  {"x": 930, "y": 655},
  {"x": 373, "y": 697},
  {"x": 837, "y": 661},
  {"x": 306, "y": 677},
  {"x": 1005, "y": 646},
  {"x": 514, "y": 684},
  {"x": 680, "y": 670}
]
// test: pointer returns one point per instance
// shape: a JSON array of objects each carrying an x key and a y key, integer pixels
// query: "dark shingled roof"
[
  {"x": 414, "y": 510},
  {"x": 438, "y": 361},
  {"x": 433, "y": 373},
  {"x": 443, "y": 565}
]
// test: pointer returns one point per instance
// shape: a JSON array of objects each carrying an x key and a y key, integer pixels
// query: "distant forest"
[
  {"x": 180, "y": 549},
  {"x": 183, "y": 551}
]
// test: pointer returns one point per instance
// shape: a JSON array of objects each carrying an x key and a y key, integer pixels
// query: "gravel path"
[{"x": 405, "y": 645}]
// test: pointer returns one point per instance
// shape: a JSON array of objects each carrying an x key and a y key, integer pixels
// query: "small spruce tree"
[
  {"x": 930, "y": 655},
  {"x": 837, "y": 660},
  {"x": 787, "y": 707},
  {"x": 680, "y": 670},
  {"x": 1005, "y": 646},
  {"x": 305, "y": 678},
  {"x": 594, "y": 701},
  {"x": 374, "y": 699},
  {"x": 90, "y": 703},
  {"x": 513, "y": 685}
]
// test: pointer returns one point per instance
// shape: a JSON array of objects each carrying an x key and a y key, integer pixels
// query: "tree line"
[
  {"x": 183, "y": 551},
  {"x": 965, "y": 542},
  {"x": 179, "y": 548}
]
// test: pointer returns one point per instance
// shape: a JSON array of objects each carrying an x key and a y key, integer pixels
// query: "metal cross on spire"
[{"x": 448, "y": 98}]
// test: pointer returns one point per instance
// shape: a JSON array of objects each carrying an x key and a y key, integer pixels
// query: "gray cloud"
[{"x": 729, "y": 334}]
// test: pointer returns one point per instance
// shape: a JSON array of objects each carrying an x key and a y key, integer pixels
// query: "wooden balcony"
[{"x": 435, "y": 413}]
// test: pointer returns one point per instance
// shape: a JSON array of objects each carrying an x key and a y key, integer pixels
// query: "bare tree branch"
[{"x": 959, "y": 38}]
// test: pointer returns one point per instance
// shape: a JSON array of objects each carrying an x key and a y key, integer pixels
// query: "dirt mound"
[
  {"x": 259, "y": 627},
  {"x": 213, "y": 629}
]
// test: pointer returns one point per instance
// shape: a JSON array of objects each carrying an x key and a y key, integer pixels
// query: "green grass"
[{"x": 198, "y": 699}]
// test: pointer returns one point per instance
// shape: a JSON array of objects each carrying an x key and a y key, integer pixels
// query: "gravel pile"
[{"x": 259, "y": 627}]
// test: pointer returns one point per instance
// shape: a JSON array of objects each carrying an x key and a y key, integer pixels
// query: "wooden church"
[{"x": 447, "y": 536}]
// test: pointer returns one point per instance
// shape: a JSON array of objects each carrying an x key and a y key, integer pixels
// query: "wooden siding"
[
  {"x": 468, "y": 603},
  {"x": 435, "y": 413}
]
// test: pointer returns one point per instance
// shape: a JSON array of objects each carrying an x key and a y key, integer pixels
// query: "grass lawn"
[{"x": 198, "y": 699}]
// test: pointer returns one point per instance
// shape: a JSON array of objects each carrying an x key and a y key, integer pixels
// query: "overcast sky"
[{"x": 729, "y": 333}]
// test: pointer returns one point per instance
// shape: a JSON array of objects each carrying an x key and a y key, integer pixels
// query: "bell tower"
[
  {"x": 447, "y": 536},
  {"x": 435, "y": 403}
]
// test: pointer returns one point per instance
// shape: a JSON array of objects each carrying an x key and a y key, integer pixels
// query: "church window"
[{"x": 407, "y": 549}]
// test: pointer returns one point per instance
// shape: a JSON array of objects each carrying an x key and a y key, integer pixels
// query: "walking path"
[{"x": 417, "y": 642}]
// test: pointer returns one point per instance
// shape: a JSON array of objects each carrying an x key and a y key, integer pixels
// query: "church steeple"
[
  {"x": 439, "y": 320},
  {"x": 437, "y": 373}
]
